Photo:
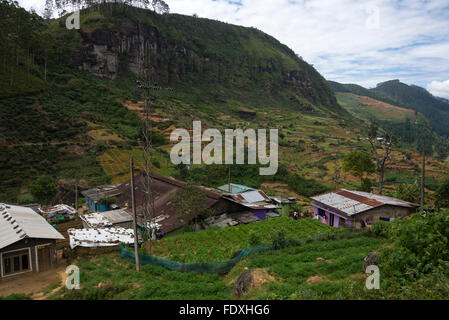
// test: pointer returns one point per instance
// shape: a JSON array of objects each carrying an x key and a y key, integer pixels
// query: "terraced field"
[
  {"x": 365, "y": 106},
  {"x": 115, "y": 163},
  {"x": 218, "y": 244}
]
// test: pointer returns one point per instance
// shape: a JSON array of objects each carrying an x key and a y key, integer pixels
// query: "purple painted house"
[
  {"x": 254, "y": 201},
  {"x": 358, "y": 209}
]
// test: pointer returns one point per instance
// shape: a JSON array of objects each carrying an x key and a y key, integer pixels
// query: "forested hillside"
[{"x": 400, "y": 109}]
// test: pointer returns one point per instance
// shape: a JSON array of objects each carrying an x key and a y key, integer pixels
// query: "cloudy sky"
[{"x": 350, "y": 41}]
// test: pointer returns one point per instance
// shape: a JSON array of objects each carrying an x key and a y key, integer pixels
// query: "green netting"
[{"x": 201, "y": 267}]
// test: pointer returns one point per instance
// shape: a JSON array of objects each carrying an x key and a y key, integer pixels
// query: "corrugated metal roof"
[
  {"x": 235, "y": 188},
  {"x": 354, "y": 202},
  {"x": 253, "y": 196},
  {"x": 117, "y": 216},
  {"x": 96, "y": 220},
  {"x": 256, "y": 200},
  {"x": 18, "y": 222}
]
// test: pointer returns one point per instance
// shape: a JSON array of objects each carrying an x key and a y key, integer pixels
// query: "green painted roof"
[{"x": 235, "y": 188}]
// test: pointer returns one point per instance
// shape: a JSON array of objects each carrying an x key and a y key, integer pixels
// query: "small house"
[
  {"x": 164, "y": 190},
  {"x": 95, "y": 198},
  {"x": 347, "y": 208},
  {"x": 27, "y": 241}
]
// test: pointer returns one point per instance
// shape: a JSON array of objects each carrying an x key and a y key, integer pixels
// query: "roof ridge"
[{"x": 9, "y": 218}]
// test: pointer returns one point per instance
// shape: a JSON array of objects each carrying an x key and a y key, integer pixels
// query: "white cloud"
[
  {"x": 439, "y": 88},
  {"x": 411, "y": 41}
]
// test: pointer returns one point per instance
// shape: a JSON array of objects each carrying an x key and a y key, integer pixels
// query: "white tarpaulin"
[{"x": 106, "y": 237}]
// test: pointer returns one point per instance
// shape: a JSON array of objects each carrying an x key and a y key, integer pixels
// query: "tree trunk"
[
  {"x": 381, "y": 180},
  {"x": 45, "y": 70}
]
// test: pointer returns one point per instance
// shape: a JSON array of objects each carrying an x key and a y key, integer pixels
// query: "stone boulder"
[
  {"x": 370, "y": 259},
  {"x": 251, "y": 279}
]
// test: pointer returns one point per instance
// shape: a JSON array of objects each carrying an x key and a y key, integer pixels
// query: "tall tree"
[
  {"x": 442, "y": 195},
  {"x": 48, "y": 10},
  {"x": 160, "y": 6},
  {"x": 359, "y": 163},
  {"x": 43, "y": 189}
]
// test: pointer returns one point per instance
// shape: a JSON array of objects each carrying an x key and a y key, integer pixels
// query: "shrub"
[
  {"x": 278, "y": 239},
  {"x": 420, "y": 245},
  {"x": 26, "y": 199},
  {"x": 381, "y": 228},
  {"x": 254, "y": 238},
  {"x": 367, "y": 185}
]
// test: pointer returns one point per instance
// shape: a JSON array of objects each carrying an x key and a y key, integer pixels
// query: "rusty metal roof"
[
  {"x": 354, "y": 202},
  {"x": 17, "y": 223},
  {"x": 164, "y": 190}
]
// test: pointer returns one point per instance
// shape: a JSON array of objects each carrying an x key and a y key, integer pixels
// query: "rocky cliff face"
[{"x": 108, "y": 51}]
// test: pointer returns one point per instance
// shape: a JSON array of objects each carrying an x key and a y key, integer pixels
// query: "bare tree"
[{"x": 381, "y": 148}]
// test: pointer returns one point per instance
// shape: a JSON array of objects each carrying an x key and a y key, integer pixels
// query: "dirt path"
[
  {"x": 34, "y": 283},
  {"x": 42, "y": 296}
]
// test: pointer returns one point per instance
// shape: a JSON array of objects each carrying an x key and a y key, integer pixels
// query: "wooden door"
[{"x": 44, "y": 257}]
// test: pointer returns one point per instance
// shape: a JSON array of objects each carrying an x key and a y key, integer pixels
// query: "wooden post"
[
  {"x": 133, "y": 201},
  {"x": 229, "y": 178},
  {"x": 76, "y": 194}
]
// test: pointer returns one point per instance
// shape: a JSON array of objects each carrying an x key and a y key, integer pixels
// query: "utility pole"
[
  {"x": 423, "y": 173},
  {"x": 133, "y": 201},
  {"x": 147, "y": 83}
]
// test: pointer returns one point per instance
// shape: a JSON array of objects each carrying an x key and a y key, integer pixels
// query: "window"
[
  {"x": 25, "y": 265},
  {"x": 7, "y": 263},
  {"x": 15, "y": 262},
  {"x": 321, "y": 213}
]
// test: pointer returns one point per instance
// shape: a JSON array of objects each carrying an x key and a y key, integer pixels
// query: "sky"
[{"x": 349, "y": 41}]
